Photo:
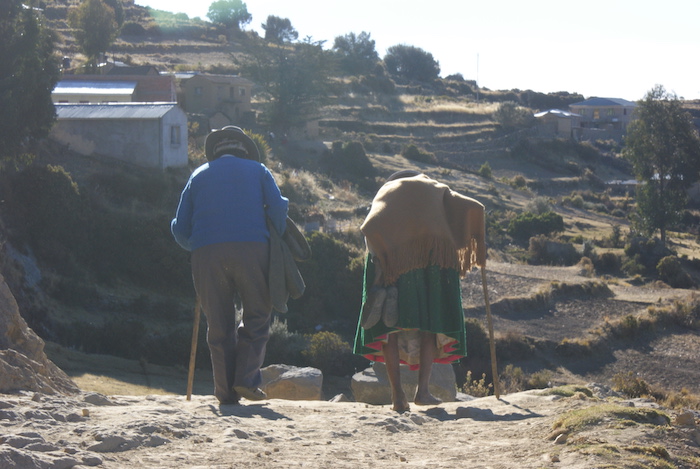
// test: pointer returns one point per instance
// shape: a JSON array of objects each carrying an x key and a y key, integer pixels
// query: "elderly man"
[{"x": 222, "y": 219}]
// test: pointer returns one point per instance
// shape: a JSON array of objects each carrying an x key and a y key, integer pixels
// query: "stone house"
[
  {"x": 557, "y": 123},
  {"x": 150, "y": 135},
  {"x": 209, "y": 94},
  {"x": 604, "y": 117}
]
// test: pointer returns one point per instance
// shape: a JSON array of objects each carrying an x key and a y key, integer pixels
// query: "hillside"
[{"x": 145, "y": 287}]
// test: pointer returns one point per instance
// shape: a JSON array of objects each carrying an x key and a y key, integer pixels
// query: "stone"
[
  {"x": 24, "y": 365},
  {"x": 292, "y": 382},
  {"x": 372, "y": 385}
]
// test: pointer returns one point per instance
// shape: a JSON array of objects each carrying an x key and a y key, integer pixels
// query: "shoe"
[
  {"x": 252, "y": 394},
  {"x": 229, "y": 402},
  {"x": 390, "y": 311},
  {"x": 372, "y": 308}
]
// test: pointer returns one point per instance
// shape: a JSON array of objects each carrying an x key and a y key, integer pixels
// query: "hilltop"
[{"x": 542, "y": 326}]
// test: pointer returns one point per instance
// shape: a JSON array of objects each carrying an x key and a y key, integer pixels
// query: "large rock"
[
  {"x": 23, "y": 364},
  {"x": 292, "y": 383},
  {"x": 372, "y": 385}
]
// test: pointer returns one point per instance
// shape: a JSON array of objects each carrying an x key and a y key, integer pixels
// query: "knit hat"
[{"x": 230, "y": 140}]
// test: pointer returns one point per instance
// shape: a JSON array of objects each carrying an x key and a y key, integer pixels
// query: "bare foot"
[
  {"x": 426, "y": 399},
  {"x": 401, "y": 407}
]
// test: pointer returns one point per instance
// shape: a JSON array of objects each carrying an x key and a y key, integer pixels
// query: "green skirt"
[{"x": 429, "y": 299}]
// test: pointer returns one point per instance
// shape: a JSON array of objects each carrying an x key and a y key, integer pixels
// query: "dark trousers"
[{"x": 220, "y": 272}]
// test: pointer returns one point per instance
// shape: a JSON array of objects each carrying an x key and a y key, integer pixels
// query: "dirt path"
[{"x": 168, "y": 431}]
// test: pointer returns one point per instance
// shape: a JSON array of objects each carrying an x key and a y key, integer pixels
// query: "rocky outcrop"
[{"x": 23, "y": 364}]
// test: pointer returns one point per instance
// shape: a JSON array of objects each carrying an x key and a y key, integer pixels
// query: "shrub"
[
  {"x": 476, "y": 388},
  {"x": 630, "y": 385},
  {"x": 485, "y": 171},
  {"x": 413, "y": 153},
  {"x": 671, "y": 272},
  {"x": 608, "y": 263},
  {"x": 285, "y": 347},
  {"x": 544, "y": 251},
  {"x": 528, "y": 224},
  {"x": 329, "y": 353}
]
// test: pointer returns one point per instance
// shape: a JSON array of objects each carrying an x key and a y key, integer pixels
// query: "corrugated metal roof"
[
  {"x": 93, "y": 87},
  {"x": 605, "y": 102},
  {"x": 113, "y": 110},
  {"x": 557, "y": 112}
]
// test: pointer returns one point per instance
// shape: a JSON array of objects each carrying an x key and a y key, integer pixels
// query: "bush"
[
  {"x": 329, "y": 353},
  {"x": 285, "y": 347},
  {"x": 608, "y": 263},
  {"x": 528, "y": 224},
  {"x": 630, "y": 385},
  {"x": 413, "y": 153},
  {"x": 485, "y": 171},
  {"x": 545, "y": 251},
  {"x": 671, "y": 272}
]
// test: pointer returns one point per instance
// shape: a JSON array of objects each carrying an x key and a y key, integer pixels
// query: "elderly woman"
[{"x": 421, "y": 238}]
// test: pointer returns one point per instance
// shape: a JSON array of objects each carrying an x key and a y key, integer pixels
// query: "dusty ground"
[
  {"x": 168, "y": 431},
  {"x": 135, "y": 415}
]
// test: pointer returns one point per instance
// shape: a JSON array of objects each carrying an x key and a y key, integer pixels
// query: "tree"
[
  {"x": 357, "y": 54},
  {"x": 511, "y": 116},
  {"x": 229, "y": 13},
  {"x": 294, "y": 76},
  {"x": 29, "y": 70},
  {"x": 95, "y": 28},
  {"x": 279, "y": 30},
  {"x": 664, "y": 148},
  {"x": 412, "y": 63}
]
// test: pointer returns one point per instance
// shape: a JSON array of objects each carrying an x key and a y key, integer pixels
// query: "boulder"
[
  {"x": 372, "y": 385},
  {"x": 292, "y": 382},
  {"x": 23, "y": 364}
]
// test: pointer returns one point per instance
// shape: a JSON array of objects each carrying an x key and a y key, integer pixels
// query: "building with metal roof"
[{"x": 151, "y": 135}]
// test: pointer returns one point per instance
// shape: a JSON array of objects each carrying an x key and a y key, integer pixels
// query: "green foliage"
[
  {"x": 476, "y": 388},
  {"x": 279, "y": 30},
  {"x": 646, "y": 252},
  {"x": 485, "y": 171},
  {"x": 608, "y": 263},
  {"x": 229, "y": 13},
  {"x": 413, "y": 153},
  {"x": 285, "y": 347},
  {"x": 333, "y": 287},
  {"x": 46, "y": 205},
  {"x": 329, "y": 353},
  {"x": 94, "y": 27},
  {"x": 349, "y": 161},
  {"x": 671, "y": 271},
  {"x": 356, "y": 53},
  {"x": 630, "y": 385},
  {"x": 295, "y": 78},
  {"x": 664, "y": 148},
  {"x": 29, "y": 72},
  {"x": 528, "y": 224},
  {"x": 412, "y": 63},
  {"x": 511, "y": 116},
  {"x": 544, "y": 251}
]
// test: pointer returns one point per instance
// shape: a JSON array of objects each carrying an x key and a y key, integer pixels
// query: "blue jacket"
[{"x": 227, "y": 200}]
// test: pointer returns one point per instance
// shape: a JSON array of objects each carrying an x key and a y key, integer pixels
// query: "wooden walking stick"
[
  {"x": 193, "y": 351},
  {"x": 492, "y": 343}
]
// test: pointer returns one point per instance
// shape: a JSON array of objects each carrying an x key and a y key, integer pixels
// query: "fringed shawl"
[{"x": 416, "y": 221}]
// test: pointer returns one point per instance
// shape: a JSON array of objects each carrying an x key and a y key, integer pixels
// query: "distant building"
[
  {"x": 227, "y": 96},
  {"x": 122, "y": 86},
  {"x": 151, "y": 135},
  {"x": 557, "y": 123},
  {"x": 604, "y": 117}
]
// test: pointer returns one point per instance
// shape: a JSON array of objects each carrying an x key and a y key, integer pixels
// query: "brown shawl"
[{"x": 416, "y": 221}]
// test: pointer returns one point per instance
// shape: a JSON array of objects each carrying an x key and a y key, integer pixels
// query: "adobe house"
[
  {"x": 119, "y": 84},
  {"x": 557, "y": 123},
  {"x": 604, "y": 117},
  {"x": 209, "y": 94},
  {"x": 150, "y": 135}
]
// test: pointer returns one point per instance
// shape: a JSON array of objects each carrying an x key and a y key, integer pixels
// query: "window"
[
  {"x": 611, "y": 112},
  {"x": 175, "y": 135},
  {"x": 198, "y": 91},
  {"x": 242, "y": 92},
  {"x": 596, "y": 114}
]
